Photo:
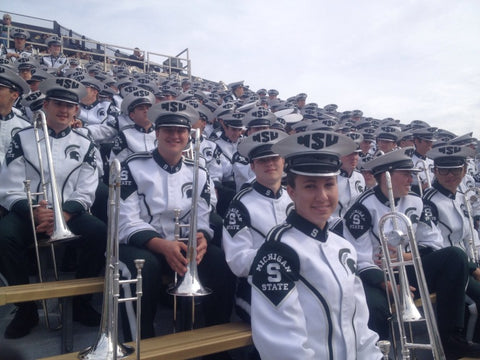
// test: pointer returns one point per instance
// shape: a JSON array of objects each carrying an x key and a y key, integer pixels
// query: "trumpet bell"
[
  {"x": 189, "y": 285},
  {"x": 103, "y": 349}
]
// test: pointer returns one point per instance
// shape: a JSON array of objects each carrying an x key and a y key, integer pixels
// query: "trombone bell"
[
  {"x": 104, "y": 349},
  {"x": 189, "y": 285}
]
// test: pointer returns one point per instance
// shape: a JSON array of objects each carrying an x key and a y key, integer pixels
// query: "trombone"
[
  {"x": 426, "y": 169},
  {"x": 404, "y": 305},
  {"x": 61, "y": 232},
  {"x": 471, "y": 195},
  {"x": 107, "y": 346},
  {"x": 189, "y": 285}
]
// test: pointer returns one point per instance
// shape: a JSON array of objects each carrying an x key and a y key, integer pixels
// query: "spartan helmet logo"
[
  {"x": 348, "y": 263},
  {"x": 358, "y": 186},
  {"x": 410, "y": 213},
  {"x": 187, "y": 190},
  {"x": 71, "y": 152}
]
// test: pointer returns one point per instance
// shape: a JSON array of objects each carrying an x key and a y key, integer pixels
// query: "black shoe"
[
  {"x": 85, "y": 314},
  {"x": 26, "y": 318},
  {"x": 457, "y": 347}
]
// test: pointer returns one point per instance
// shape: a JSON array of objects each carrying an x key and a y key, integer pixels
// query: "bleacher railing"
[{"x": 79, "y": 46}]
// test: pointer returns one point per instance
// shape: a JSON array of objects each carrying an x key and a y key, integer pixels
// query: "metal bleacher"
[{"x": 75, "y": 44}]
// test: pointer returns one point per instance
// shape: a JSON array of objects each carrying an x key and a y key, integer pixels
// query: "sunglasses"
[{"x": 453, "y": 171}]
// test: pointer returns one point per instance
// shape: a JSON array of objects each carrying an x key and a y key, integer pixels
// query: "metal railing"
[{"x": 76, "y": 45}]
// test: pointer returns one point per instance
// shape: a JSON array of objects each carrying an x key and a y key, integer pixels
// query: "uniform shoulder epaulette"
[
  {"x": 243, "y": 192},
  {"x": 23, "y": 117},
  {"x": 365, "y": 195},
  {"x": 139, "y": 156},
  {"x": 24, "y": 129},
  {"x": 276, "y": 233},
  {"x": 191, "y": 162},
  {"x": 83, "y": 132},
  {"x": 429, "y": 193},
  {"x": 413, "y": 193}
]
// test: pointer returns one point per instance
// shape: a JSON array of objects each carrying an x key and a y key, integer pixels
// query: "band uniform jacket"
[
  {"x": 361, "y": 228},
  {"x": 73, "y": 157},
  {"x": 349, "y": 187},
  {"x": 418, "y": 162},
  {"x": 133, "y": 139},
  {"x": 54, "y": 61},
  {"x": 97, "y": 113},
  {"x": 449, "y": 212},
  {"x": 253, "y": 212},
  {"x": 9, "y": 126},
  {"x": 307, "y": 300},
  {"x": 225, "y": 151},
  {"x": 242, "y": 172},
  {"x": 109, "y": 128},
  {"x": 208, "y": 149},
  {"x": 152, "y": 191}
]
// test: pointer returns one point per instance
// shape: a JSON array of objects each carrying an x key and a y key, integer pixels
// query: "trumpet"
[
  {"x": 189, "y": 285},
  {"x": 404, "y": 305},
  {"x": 107, "y": 346},
  {"x": 61, "y": 232}
]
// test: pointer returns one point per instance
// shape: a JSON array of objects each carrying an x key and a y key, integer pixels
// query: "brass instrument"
[
  {"x": 189, "y": 285},
  {"x": 107, "y": 346},
  {"x": 426, "y": 169},
  {"x": 471, "y": 195},
  {"x": 404, "y": 305},
  {"x": 61, "y": 232},
  {"x": 384, "y": 346}
]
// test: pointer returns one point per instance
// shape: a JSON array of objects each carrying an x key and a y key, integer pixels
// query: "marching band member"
[
  {"x": 350, "y": 181},
  {"x": 73, "y": 156},
  {"x": 307, "y": 300},
  {"x": 423, "y": 140},
  {"x": 257, "y": 119},
  {"x": 54, "y": 59},
  {"x": 12, "y": 87},
  {"x": 140, "y": 136},
  {"x": 447, "y": 205},
  {"x": 255, "y": 210},
  {"x": 154, "y": 184},
  {"x": 445, "y": 268},
  {"x": 19, "y": 50},
  {"x": 232, "y": 126}
]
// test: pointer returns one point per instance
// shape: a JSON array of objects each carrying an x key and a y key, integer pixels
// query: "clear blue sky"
[{"x": 409, "y": 59}]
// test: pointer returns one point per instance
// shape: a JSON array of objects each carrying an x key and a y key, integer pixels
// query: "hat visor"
[
  {"x": 449, "y": 166},
  {"x": 265, "y": 156},
  {"x": 62, "y": 100},
  {"x": 172, "y": 125},
  {"x": 316, "y": 174}
]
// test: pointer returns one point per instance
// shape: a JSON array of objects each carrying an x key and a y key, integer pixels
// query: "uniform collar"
[
  {"x": 224, "y": 137},
  {"x": 91, "y": 106},
  {"x": 423, "y": 157},
  {"x": 141, "y": 129},
  {"x": 307, "y": 227},
  {"x": 345, "y": 174},
  {"x": 382, "y": 198},
  {"x": 443, "y": 190},
  {"x": 8, "y": 116},
  {"x": 61, "y": 134},
  {"x": 161, "y": 162},
  {"x": 267, "y": 192}
]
